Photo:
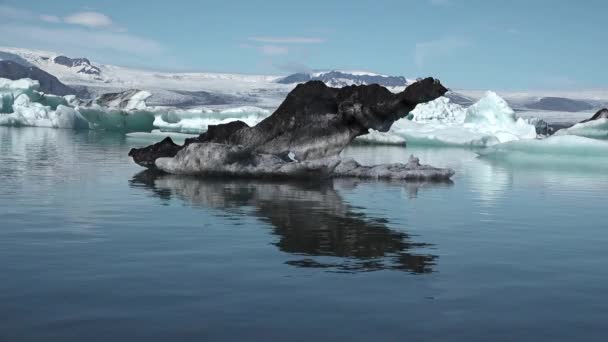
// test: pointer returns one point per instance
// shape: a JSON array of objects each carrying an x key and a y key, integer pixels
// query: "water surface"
[{"x": 94, "y": 248}]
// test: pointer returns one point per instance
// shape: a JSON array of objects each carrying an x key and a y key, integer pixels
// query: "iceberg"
[
  {"x": 565, "y": 145},
  {"x": 125, "y": 112},
  {"x": 302, "y": 138},
  {"x": 28, "y": 113},
  {"x": 488, "y": 122},
  {"x": 565, "y": 152},
  {"x": 596, "y": 129},
  {"x": 196, "y": 121}
]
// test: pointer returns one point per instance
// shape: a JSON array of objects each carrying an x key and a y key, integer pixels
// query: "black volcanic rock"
[
  {"x": 314, "y": 121},
  {"x": 7, "y": 56},
  {"x": 601, "y": 114},
  {"x": 49, "y": 84},
  {"x": 146, "y": 156},
  {"x": 87, "y": 67},
  {"x": 218, "y": 133},
  {"x": 295, "y": 78}
]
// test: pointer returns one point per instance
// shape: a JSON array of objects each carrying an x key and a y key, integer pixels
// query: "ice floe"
[{"x": 488, "y": 122}]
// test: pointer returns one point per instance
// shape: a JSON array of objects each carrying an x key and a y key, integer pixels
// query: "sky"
[{"x": 468, "y": 44}]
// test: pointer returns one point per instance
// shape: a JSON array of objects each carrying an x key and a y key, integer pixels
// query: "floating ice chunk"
[
  {"x": 560, "y": 153},
  {"x": 292, "y": 156},
  {"x": 21, "y": 84},
  {"x": 10, "y": 90},
  {"x": 596, "y": 129},
  {"x": 381, "y": 138},
  {"x": 28, "y": 113},
  {"x": 488, "y": 122},
  {"x": 198, "y": 120},
  {"x": 440, "y": 110},
  {"x": 212, "y": 159},
  {"x": 157, "y": 135},
  {"x": 412, "y": 170},
  {"x": 118, "y": 120},
  {"x": 565, "y": 146}
]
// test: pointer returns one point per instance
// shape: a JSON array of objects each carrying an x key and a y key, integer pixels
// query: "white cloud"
[
  {"x": 89, "y": 19},
  {"x": 287, "y": 40},
  {"x": 439, "y": 48},
  {"x": 50, "y": 18},
  {"x": 274, "y": 50}
]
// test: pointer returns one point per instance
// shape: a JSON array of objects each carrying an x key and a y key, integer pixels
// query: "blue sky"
[{"x": 502, "y": 45}]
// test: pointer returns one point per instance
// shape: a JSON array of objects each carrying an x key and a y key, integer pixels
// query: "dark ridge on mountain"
[
  {"x": 560, "y": 104},
  {"x": 49, "y": 84},
  {"x": 342, "y": 79},
  {"x": 84, "y": 63},
  {"x": 7, "y": 56},
  {"x": 459, "y": 99}
]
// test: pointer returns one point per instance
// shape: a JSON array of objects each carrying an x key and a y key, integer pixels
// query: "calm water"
[{"x": 94, "y": 249}]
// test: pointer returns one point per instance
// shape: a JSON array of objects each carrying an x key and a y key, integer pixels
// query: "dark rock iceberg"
[
  {"x": 601, "y": 114},
  {"x": 49, "y": 84},
  {"x": 302, "y": 137}
]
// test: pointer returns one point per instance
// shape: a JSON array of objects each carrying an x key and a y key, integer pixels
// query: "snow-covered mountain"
[
  {"x": 336, "y": 78},
  {"x": 171, "y": 89},
  {"x": 266, "y": 91}
]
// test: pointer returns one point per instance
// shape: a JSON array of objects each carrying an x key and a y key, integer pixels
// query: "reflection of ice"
[
  {"x": 40, "y": 158},
  {"x": 310, "y": 219},
  {"x": 486, "y": 180}
]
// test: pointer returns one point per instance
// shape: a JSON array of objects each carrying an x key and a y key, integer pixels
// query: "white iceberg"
[
  {"x": 596, "y": 129},
  {"x": 565, "y": 145},
  {"x": 196, "y": 121},
  {"x": 28, "y": 113},
  {"x": 488, "y": 122},
  {"x": 23, "y": 105}
]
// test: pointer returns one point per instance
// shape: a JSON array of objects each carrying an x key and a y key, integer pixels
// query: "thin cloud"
[
  {"x": 440, "y": 48},
  {"x": 293, "y": 67},
  {"x": 274, "y": 50},
  {"x": 53, "y": 19},
  {"x": 89, "y": 19},
  {"x": 439, "y": 2},
  {"x": 287, "y": 40}
]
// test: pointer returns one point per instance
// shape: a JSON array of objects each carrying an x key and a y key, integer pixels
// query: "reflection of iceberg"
[
  {"x": 488, "y": 122},
  {"x": 310, "y": 219}
]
